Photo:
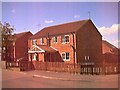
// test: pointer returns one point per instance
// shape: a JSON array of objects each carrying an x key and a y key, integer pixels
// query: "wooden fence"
[
  {"x": 12, "y": 64},
  {"x": 65, "y": 67},
  {"x": 49, "y": 66}
]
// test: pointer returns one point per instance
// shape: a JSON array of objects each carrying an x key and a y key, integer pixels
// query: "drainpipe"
[
  {"x": 48, "y": 40},
  {"x": 73, "y": 47},
  {"x": 48, "y": 44}
]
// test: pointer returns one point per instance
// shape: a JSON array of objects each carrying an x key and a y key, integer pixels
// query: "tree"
[
  {"x": 0, "y": 39},
  {"x": 7, "y": 41}
]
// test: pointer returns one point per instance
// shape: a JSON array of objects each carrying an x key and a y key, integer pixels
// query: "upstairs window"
[
  {"x": 66, "y": 56},
  {"x": 55, "y": 39},
  {"x": 66, "y": 39},
  {"x": 34, "y": 42},
  {"x": 41, "y": 41},
  {"x": 87, "y": 58}
]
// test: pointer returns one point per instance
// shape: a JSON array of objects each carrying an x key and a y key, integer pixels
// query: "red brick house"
[
  {"x": 110, "y": 57},
  {"x": 20, "y": 49},
  {"x": 74, "y": 42}
]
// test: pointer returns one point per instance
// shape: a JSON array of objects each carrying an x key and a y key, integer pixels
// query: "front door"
[{"x": 35, "y": 57}]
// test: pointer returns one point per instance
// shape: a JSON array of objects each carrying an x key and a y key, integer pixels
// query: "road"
[{"x": 42, "y": 79}]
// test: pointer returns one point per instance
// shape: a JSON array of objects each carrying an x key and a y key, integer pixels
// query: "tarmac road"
[{"x": 43, "y": 79}]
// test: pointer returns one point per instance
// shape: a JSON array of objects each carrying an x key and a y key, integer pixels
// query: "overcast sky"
[{"x": 33, "y": 16}]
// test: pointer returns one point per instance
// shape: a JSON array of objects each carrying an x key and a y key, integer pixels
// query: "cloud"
[
  {"x": 105, "y": 31},
  {"x": 48, "y": 21},
  {"x": 110, "y": 33},
  {"x": 13, "y": 10},
  {"x": 116, "y": 43},
  {"x": 76, "y": 16}
]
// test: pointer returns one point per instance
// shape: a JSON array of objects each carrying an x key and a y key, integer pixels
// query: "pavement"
[
  {"x": 48, "y": 74},
  {"x": 65, "y": 75},
  {"x": 52, "y": 75}
]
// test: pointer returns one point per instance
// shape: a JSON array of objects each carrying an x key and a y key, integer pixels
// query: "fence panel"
[{"x": 56, "y": 66}]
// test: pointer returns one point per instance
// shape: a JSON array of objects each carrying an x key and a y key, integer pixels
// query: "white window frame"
[
  {"x": 87, "y": 58},
  {"x": 64, "y": 37},
  {"x": 62, "y": 55},
  {"x": 34, "y": 42},
  {"x": 65, "y": 53},
  {"x": 41, "y": 41},
  {"x": 55, "y": 39},
  {"x": 115, "y": 69}
]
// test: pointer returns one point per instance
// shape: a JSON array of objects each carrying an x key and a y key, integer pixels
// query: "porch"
[{"x": 44, "y": 53}]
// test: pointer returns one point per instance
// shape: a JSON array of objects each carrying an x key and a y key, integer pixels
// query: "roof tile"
[{"x": 60, "y": 29}]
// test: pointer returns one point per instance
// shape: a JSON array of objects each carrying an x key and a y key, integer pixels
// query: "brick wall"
[
  {"x": 59, "y": 46},
  {"x": 89, "y": 43},
  {"x": 106, "y": 49},
  {"x": 21, "y": 47},
  {"x": 64, "y": 47}
]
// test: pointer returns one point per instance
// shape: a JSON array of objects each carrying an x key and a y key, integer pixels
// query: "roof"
[
  {"x": 60, "y": 29},
  {"x": 41, "y": 48},
  {"x": 114, "y": 49},
  {"x": 47, "y": 48},
  {"x": 108, "y": 44},
  {"x": 18, "y": 35}
]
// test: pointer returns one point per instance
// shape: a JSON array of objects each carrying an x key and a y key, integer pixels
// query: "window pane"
[
  {"x": 88, "y": 57},
  {"x": 67, "y": 38},
  {"x": 54, "y": 39},
  {"x": 67, "y": 55},
  {"x": 41, "y": 40},
  {"x": 63, "y": 56},
  {"x": 63, "y": 39},
  {"x": 34, "y": 42},
  {"x": 85, "y": 58}
]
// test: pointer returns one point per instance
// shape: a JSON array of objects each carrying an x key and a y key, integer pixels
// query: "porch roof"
[
  {"x": 41, "y": 49},
  {"x": 47, "y": 48}
]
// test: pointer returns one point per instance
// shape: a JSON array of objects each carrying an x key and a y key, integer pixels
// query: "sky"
[{"x": 34, "y": 16}]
